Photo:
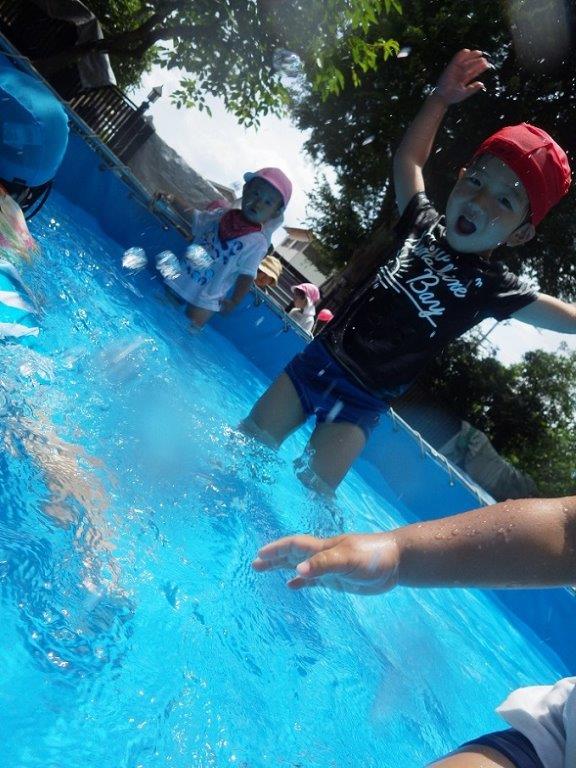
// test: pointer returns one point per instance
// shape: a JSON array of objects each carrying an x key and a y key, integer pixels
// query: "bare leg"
[
  {"x": 198, "y": 316},
  {"x": 61, "y": 464},
  {"x": 277, "y": 413},
  {"x": 332, "y": 450},
  {"x": 475, "y": 757}
]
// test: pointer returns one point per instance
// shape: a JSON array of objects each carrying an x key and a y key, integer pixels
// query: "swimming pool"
[{"x": 135, "y": 633}]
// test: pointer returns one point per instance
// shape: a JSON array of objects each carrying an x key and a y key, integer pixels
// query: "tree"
[
  {"x": 528, "y": 410},
  {"x": 116, "y": 18},
  {"x": 356, "y": 133},
  {"x": 241, "y": 50}
]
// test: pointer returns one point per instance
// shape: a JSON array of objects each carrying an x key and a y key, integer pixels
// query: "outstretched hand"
[
  {"x": 458, "y": 81},
  {"x": 361, "y": 563}
]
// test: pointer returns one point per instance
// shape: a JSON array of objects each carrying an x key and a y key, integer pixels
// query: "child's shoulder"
[{"x": 419, "y": 216}]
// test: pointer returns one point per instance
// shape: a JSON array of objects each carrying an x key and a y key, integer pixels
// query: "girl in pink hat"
[
  {"x": 306, "y": 296},
  {"x": 234, "y": 242}
]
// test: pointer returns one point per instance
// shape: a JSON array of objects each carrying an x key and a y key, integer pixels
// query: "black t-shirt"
[{"x": 424, "y": 296}]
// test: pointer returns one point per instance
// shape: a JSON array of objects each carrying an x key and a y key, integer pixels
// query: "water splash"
[
  {"x": 134, "y": 259},
  {"x": 198, "y": 257},
  {"x": 125, "y": 359},
  {"x": 168, "y": 265},
  {"x": 287, "y": 63}
]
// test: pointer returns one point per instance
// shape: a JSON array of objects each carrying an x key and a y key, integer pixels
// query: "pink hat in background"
[
  {"x": 276, "y": 178},
  {"x": 309, "y": 290}
]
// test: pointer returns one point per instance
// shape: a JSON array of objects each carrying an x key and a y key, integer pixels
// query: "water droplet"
[{"x": 286, "y": 63}]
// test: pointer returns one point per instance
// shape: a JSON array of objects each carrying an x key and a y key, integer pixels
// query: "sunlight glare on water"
[{"x": 134, "y": 631}]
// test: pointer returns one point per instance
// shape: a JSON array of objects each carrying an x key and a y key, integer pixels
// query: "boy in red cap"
[
  {"x": 233, "y": 243},
  {"x": 439, "y": 281}
]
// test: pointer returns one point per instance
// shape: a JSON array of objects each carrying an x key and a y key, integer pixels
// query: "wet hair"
[{"x": 30, "y": 199}]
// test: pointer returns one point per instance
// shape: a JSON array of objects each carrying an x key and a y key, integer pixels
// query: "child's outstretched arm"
[
  {"x": 549, "y": 313},
  {"x": 180, "y": 205},
  {"x": 457, "y": 82},
  {"x": 529, "y": 542}
]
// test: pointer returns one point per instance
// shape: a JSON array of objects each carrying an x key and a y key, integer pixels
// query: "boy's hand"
[
  {"x": 458, "y": 81},
  {"x": 361, "y": 563}
]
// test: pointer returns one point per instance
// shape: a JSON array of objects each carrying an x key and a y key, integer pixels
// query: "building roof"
[{"x": 299, "y": 233}]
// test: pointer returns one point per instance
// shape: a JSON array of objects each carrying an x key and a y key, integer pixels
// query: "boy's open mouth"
[{"x": 464, "y": 226}]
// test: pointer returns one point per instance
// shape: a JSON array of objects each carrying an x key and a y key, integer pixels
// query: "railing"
[
  {"x": 290, "y": 276},
  {"x": 115, "y": 118}
]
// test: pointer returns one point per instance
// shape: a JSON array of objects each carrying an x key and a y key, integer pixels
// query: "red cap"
[{"x": 538, "y": 161}]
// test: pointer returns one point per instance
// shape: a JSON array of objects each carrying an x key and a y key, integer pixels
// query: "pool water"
[{"x": 134, "y": 632}]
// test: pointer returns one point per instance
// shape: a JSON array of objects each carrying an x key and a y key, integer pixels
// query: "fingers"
[
  {"x": 287, "y": 552},
  {"x": 470, "y": 64},
  {"x": 475, "y": 66},
  {"x": 475, "y": 87},
  {"x": 332, "y": 560}
]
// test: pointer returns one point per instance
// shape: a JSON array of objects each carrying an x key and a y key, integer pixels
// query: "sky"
[{"x": 222, "y": 151}]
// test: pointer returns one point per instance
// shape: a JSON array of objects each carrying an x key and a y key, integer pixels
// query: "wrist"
[{"x": 437, "y": 97}]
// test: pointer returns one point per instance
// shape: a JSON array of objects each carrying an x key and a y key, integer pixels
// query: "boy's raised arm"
[{"x": 456, "y": 83}]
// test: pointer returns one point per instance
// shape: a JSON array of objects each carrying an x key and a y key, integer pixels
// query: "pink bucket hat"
[
  {"x": 309, "y": 290},
  {"x": 276, "y": 178}
]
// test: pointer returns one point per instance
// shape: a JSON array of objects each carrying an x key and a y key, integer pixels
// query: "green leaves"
[
  {"x": 528, "y": 410},
  {"x": 228, "y": 47}
]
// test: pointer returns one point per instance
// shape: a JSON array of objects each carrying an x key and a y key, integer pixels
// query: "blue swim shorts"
[
  {"x": 329, "y": 392},
  {"x": 512, "y": 744}
]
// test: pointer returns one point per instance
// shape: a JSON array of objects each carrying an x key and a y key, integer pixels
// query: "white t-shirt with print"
[
  {"x": 240, "y": 256},
  {"x": 546, "y": 715},
  {"x": 304, "y": 318}
]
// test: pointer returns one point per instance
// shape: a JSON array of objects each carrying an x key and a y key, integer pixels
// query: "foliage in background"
[
  {"x": 356, "y": 133},
  {"x": 528, "y": 410},
  {"x": 243, "y": 51}
]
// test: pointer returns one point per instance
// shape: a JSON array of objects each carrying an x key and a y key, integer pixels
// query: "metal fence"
[{"x": 114, "y": 118}]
